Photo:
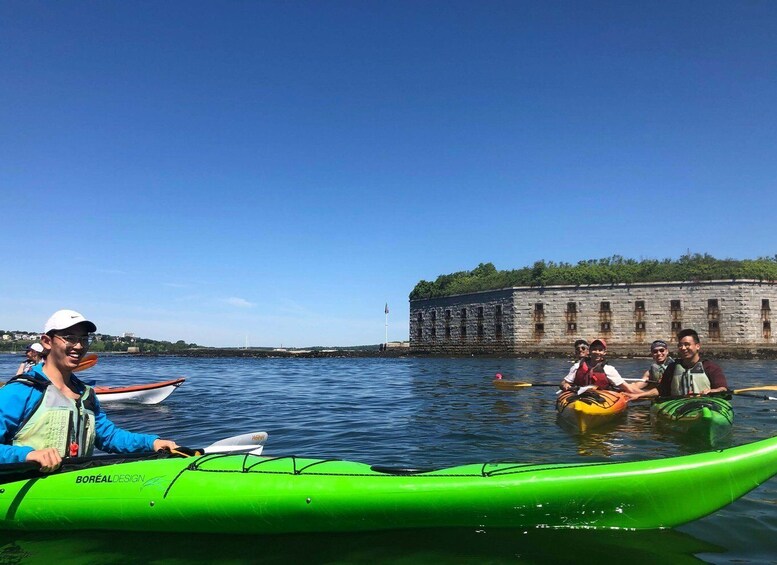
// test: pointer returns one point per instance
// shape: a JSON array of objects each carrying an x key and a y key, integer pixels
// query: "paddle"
[
  {"x": 747, "y": 392},
  {"x": 87, "y": 362},
  {"x": 765, "y": 387},
  {"x": 251, "y": 443},
  {"x": 761, "y": 396},
  {"x": 514, "y": 385}
]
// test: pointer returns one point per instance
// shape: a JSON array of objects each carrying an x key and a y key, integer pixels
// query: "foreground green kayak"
[
  {"x": 251, "y": 494},
  {"x": 706, "y": 418}
]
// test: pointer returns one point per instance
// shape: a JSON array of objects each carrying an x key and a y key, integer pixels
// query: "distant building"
[{"x": 518, "y": 320}]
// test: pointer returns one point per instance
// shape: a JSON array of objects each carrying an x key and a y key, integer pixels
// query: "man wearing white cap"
[
  {"x": 47, "y": 413},
  {"x": 34, "y": 355}
]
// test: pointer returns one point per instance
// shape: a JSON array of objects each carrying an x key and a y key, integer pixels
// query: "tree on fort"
[{"x": 609, "y": 270}]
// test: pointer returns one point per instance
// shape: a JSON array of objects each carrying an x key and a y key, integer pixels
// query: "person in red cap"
[
  {"x": 594, "y": 371},
  {"x": 47, "y": 413}
]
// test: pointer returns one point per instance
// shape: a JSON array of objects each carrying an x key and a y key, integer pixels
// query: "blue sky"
[{"x": 278, "y": 171}]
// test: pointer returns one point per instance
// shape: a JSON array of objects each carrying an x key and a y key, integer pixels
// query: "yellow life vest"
[{"x": 58, "y": 421}]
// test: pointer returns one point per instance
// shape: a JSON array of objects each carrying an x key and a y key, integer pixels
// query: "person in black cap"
[
  {"x": 659, "y": 349},
  {"x": 581, "y": 349},
  {"x": 581, "y": 352}
]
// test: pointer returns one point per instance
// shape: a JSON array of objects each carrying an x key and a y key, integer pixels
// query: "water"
[{"x": 420, "y": 413}]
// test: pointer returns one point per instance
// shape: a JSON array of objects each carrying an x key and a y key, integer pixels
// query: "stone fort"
[{"x": 727, "y": 314}]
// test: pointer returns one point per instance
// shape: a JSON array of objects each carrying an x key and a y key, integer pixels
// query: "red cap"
[{"x": 598, "y": 340}]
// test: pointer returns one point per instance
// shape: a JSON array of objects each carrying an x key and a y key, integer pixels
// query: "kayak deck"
[
  {"x": 250, "y": 494},
  {"x": 589, "y": 410},
  {"x": 709, "y": 418}
]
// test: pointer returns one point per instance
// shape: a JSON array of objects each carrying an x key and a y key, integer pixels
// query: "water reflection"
[{"x": 405, "y": 547}]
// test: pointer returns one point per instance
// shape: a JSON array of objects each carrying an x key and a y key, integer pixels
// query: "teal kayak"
[
  {"x": 707, "y": 418},
  {"x": 242, "y": 494}
]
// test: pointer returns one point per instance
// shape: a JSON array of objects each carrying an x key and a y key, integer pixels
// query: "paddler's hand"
[
  {"x": 712, "y": 391},
  {"x": 49, "y": 459},
  {"x": 160, "y": 444}
]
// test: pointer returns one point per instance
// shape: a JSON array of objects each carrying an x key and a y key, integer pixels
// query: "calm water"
[{"x": 411, "y": 412}]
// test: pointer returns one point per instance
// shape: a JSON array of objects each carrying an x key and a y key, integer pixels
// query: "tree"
[{"x": 607, "y": 270}]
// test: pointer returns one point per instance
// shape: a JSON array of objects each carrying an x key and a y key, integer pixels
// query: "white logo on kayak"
[{"x": 117, "y": 478}]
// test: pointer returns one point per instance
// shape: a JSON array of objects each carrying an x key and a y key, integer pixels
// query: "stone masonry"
[{"x": 726, "y": 314}]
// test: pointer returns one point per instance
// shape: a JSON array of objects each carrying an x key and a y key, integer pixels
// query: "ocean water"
[{"x": 420, "y": 413}]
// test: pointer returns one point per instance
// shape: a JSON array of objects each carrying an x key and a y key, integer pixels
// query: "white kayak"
[{"x": 152, "y": 393}]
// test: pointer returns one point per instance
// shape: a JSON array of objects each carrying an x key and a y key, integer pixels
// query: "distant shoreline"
[
  {"x": 614, "y": 353},
  {"x": 709, "y": 352}
]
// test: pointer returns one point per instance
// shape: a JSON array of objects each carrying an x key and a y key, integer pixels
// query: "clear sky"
[{"x": 279, "y": 171}]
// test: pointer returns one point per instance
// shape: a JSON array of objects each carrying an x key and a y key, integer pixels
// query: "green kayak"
[
  {"x": 260, "y": 495},
  {"x": 706, "y": 418}
]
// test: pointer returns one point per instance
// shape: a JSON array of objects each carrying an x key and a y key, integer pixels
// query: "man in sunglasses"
[
  {"x": 47, "y": 413},
  {"x": 581, "y": 352},
  {"x": 659, "y": 349},
  {"x": 581, "y": 349},
  {"x": 691, "y": 375}
]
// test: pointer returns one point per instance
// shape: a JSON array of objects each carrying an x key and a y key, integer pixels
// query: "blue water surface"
[{"x": 417, "y": 412}]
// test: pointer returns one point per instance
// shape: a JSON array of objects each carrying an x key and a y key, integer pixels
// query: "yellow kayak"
[{"x": 590, "y": 409}]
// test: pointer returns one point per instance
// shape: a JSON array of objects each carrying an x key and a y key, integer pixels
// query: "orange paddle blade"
[
  {"x": 509, "y": 385},
  {"x": 86, "y": 362}
]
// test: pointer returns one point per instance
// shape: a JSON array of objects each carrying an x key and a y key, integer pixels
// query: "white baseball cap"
[
  {"x": 64, "y": 319},
  {"x": 35, "y": 347}
]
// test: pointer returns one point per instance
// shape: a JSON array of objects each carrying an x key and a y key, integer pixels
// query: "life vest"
[
  {"x": 689, "y": 381},
  {"x": 596, "y": 376},
  {"x": 58, "y": 421},
  {"x": 656, "y": 371}
]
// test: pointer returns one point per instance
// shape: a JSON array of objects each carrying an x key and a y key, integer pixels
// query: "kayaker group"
[
  {"x": 689, "y": 375},
  {"x": 47, "y": 413}
]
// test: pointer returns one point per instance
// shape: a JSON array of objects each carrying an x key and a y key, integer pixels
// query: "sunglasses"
[
  {"x": 582, "y": 348},
  {"x": 74, "y": 340},
  {"x": 660, "y": 350}
]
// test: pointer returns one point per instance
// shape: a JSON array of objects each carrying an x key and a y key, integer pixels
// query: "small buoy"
[{"x": 498, "y": 376}]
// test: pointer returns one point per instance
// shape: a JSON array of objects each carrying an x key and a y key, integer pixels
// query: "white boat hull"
[{"x": 153, "y": 393}]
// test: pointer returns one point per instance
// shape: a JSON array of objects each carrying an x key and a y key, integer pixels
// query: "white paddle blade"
[{"x": 251, "y": 442}]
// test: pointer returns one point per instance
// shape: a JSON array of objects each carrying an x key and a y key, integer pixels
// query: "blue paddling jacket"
[{"x": 22, "y": 398}]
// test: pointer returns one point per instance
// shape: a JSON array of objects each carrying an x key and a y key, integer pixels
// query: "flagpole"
[{"x": 386, "y": 310}]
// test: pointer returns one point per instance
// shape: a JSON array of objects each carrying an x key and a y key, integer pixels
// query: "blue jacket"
[{"x": 18, "y": 402}]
